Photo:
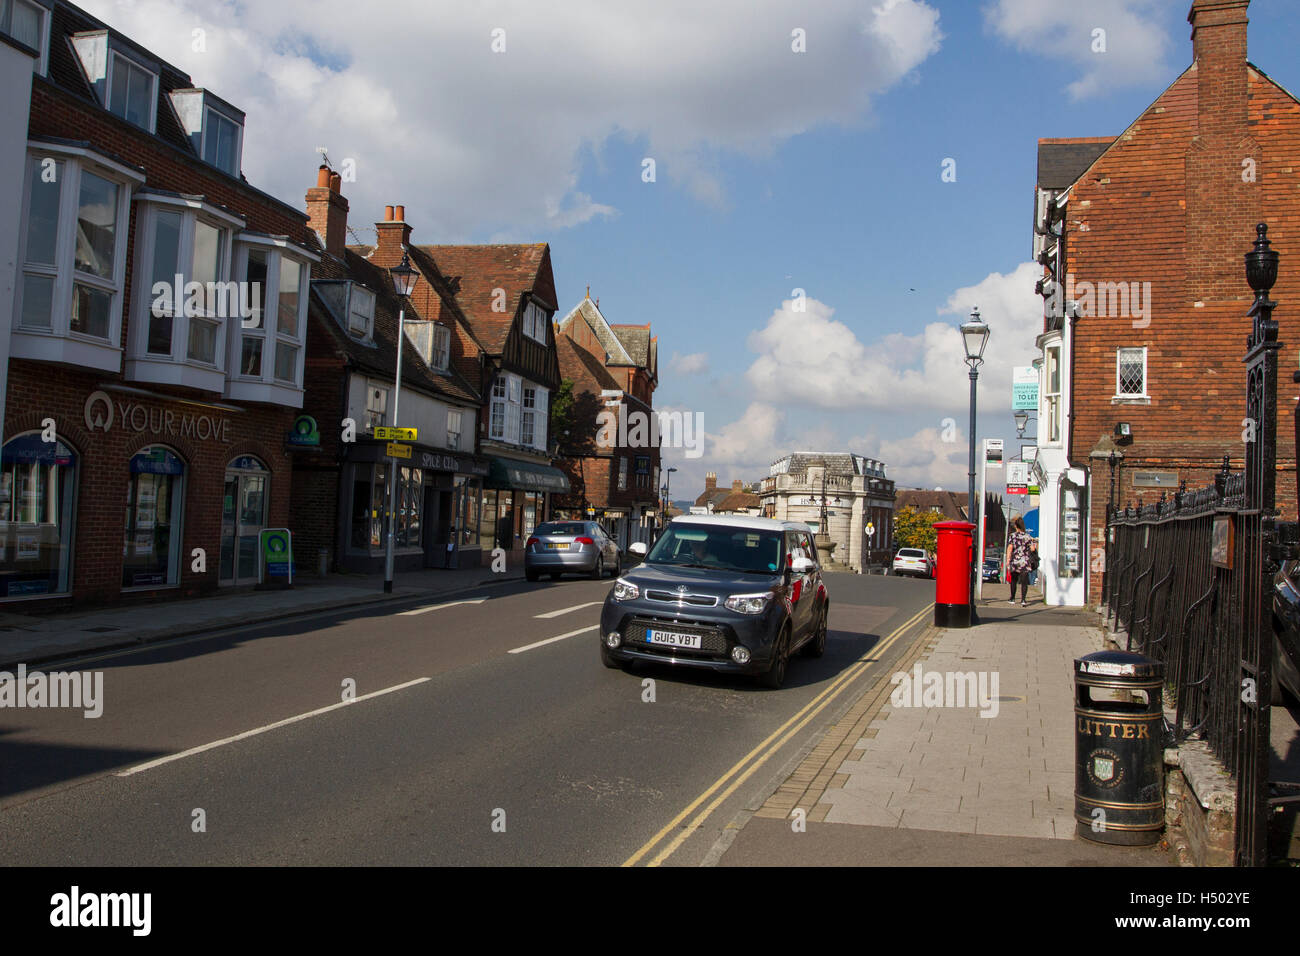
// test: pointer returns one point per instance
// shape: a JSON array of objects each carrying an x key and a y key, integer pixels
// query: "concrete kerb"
[{"x": 144, "y": 637}]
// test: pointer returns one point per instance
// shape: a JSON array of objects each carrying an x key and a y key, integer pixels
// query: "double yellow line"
[{"x": 775, "y": 741}]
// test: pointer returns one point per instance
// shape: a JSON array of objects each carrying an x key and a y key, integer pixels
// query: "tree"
[
  {"x": 562, "y": 411},
  {"x": 915, "y": 529}
]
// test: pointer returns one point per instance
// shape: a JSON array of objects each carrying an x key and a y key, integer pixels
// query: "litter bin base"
[
  {"x": 952, "y": 615},
  {"x": 1114, "y": 837}
]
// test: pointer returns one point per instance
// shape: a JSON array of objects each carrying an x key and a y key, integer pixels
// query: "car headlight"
[
  {"x": 748, "y": 603},
  {"x": 625, "y": 590}
]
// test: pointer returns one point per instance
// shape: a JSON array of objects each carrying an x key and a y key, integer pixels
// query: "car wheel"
[
  {"x": 531, "y": 575},
  {"x": 774, "y": 676},
  {"x": 598, "y": 571},
  {"x": 816, "y": 647}
]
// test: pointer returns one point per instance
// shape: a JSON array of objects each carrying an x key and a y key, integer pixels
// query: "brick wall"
[{"x": 1168, "y": 205}]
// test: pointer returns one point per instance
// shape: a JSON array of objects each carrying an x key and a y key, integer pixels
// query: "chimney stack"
[
  {"x": 394, "y": 236},
  {"x": 1219, "y": 48},
  {"x": 711, "y": 482},
  {"x": 327, "y": 211},
  {"x": 737, "y": 485}
]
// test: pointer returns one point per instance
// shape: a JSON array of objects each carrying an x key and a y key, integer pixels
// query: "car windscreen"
[
  {"x": 562, "y": 528},
  {"x": 911, "y": 553},
  {"x": 731, "y": 549}
]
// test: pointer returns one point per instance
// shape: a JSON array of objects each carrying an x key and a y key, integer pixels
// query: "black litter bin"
[{"x": 1119, "y": 770}]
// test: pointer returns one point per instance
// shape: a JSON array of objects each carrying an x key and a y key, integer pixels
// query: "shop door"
[{"x": 243, "y": 516}]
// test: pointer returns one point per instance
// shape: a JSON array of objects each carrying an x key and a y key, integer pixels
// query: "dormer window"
[
  {"x": 361, "y": 312},
  {"x": 215, "y": 128},
  {"x": 125, "y": 82},
  {"x": 131, "y": 91},
  {"x": 535, "y": 322},
  {"x": 433, "y": 341},
  {"x": 27, "y": 22}
]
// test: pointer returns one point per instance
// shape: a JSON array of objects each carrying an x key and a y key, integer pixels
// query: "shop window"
[
  {"x": 410, "y": 507},
  {"x": 37, "y": 486},
  {"x": 152, "y": 542},
  {"x": 487, "y": 529}
]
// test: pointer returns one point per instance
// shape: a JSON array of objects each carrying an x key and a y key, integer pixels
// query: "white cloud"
[
  {"x": 812, "y": 358},
  {"x": 925, "y": 460},
  {"x": 475, "y": 141},
  {"x": 696, "y": 363},
  {"x": 1136, "y": 42}
]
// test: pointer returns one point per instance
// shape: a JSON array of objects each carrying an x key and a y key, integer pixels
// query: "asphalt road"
[{"x": 464, "y": 745}]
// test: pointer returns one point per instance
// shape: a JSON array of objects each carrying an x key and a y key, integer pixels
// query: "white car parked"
[{"x": 913, "y": 561}]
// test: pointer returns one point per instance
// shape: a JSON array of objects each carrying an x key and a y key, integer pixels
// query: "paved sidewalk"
[
  {"x": 946, "y": 770},
  {"x": 33, "y": 638}
]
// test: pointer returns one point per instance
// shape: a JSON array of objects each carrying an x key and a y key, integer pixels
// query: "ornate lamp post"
[
  {"x": 974, "y": 336},
  {"x": 403, "y": 282}
]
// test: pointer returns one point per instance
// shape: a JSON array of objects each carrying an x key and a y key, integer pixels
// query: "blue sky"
[{"x": 775, "y": 170}]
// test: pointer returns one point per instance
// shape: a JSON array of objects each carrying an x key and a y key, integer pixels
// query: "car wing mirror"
[{"x": 638, "y": 548}]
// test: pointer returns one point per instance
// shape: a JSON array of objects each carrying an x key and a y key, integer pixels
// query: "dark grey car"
[
  {"x": 571, "y": 547},
  {"x": 729, "y": 594}
]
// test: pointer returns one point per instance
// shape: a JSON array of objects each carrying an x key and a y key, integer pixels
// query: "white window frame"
[
  {"x": 267, "y": 387},
  {"x": 59, "y": 343},
  {"x": 507, "y": 396},
  {"x": 177, "y": 368},
  {"x": 114, "y": 56},
  {"x": 441, "y": 353},
  {"x": 376, "y": 416},
  {"x": 622, "y": 473},
  {"x": 1119, "y": 353},
  {"x": 43, "y": 41},
  {"x": 1052, "y": 401},
  {"x": 541, "y": 417},
  {"x": 535, "y": 322},
  {"x": 527, "y": 415},
  {"x": 454, "y": 424},
  {"x": 208, "y": 113},
  {"x": 357, "y": 294}
]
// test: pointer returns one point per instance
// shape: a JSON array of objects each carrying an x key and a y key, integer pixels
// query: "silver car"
[{"x": 572, "y": 547}]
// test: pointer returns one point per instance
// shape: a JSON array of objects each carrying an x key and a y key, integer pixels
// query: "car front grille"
[
  {"x": 673, "y": 597},
  {"x": 714, "y": 641}
]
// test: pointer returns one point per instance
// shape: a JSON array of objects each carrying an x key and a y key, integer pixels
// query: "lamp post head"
[
  {"x": 1022, "y": 419},
  {"x": 403, "y": 277},
  {"x": 975, "y": 335}
]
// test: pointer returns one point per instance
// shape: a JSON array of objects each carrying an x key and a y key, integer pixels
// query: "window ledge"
[
  {"x": 48, "y": 347},
  {"x": 1131, "y": 400},
  {"x": 277, "y": 393},
  {"x": 167, "y": 372}
]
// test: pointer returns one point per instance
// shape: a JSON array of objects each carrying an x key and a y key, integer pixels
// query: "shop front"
[
  {"x": 111, "y": 493},
  {"x": 516, "y": 499},
  {"x": 437, "y": 496}
]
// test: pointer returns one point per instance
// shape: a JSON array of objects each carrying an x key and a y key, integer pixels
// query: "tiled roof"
[
  {"x": 481, "y": 270},
  {"x": 737, "y": 501},
  {"x": 381, "y": 358},
  {"x": 1062, "y": 161},
  {"x": 836, "y": 463},
  {"x": 715, "y": 496},
  {"x": 953, "y": 503},
  {"x": 636, "y": 340},
  {"x": 588, "y": 312},
  {"x": 585, "y": 369}
]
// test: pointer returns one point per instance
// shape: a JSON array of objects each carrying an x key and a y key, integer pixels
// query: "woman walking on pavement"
[{"x": 1017, "y": 560}]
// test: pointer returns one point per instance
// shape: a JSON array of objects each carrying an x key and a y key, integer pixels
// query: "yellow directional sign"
[
  {"x": 396, "y": 434},
  {"x": 398, "y": 451}
]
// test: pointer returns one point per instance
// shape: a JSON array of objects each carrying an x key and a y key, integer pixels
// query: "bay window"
[
  {"x": 266, "y": 346},
  {"x": 518, "y": 412},
  {"x": 68, "y": 297},
  {"x": 185, "y": 297}
]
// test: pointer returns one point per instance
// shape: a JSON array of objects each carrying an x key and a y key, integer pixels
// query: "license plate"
[
  {"x": 556, "y": 546},
  {"x": 673, "y": 639}
]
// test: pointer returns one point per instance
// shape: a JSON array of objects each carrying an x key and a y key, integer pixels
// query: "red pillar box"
[{"x": 956, "y": 551}]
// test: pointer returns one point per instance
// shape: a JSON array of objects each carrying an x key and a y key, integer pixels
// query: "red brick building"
[
  {"x": 506, "y": 299},
  {"x": 612, "y": 464},
  {"x": 1141, "y": 237},
  {"x": 157, "y": 336},
  {"x": 340, "y": 490}
]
